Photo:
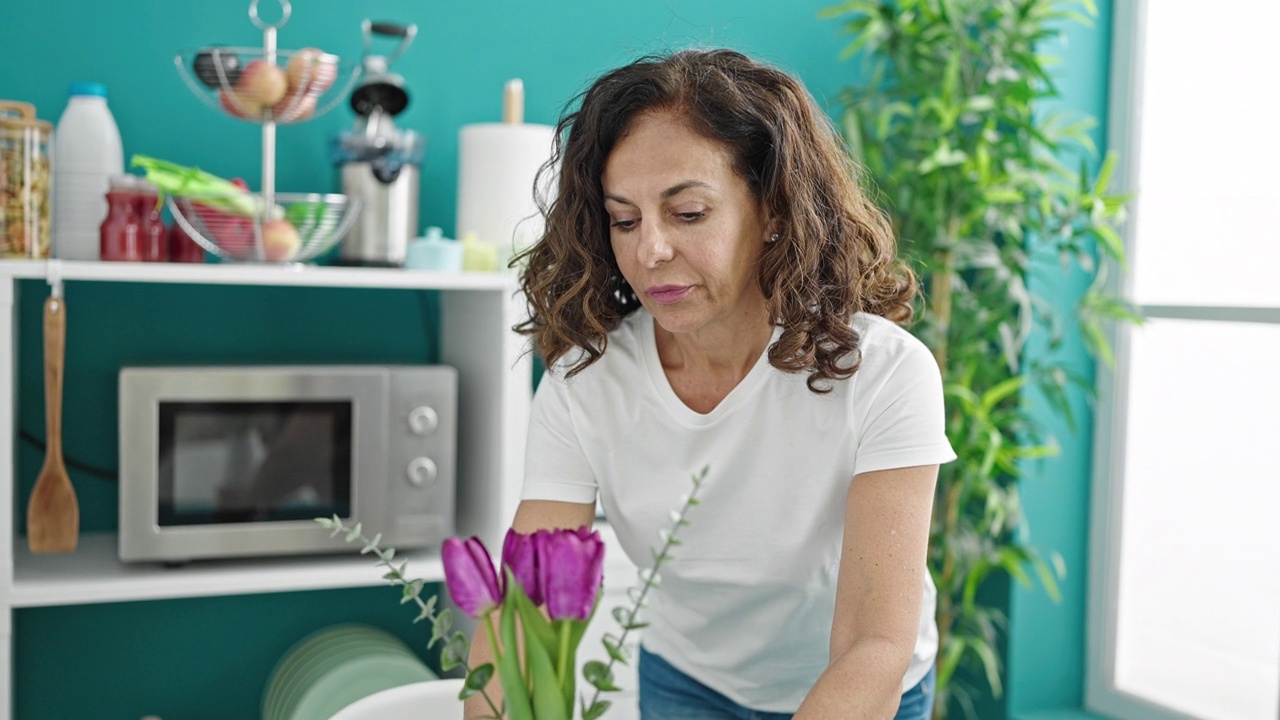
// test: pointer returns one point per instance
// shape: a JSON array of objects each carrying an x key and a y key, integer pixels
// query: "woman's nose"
[{"x": 655, "y": 247}]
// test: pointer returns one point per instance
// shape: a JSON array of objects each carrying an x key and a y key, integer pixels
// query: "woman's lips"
[{"x": 667, "y": 294}]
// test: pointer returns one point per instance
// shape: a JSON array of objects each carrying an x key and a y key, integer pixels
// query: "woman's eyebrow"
[
  {"x": 666, "y": 194},
  {"x": 681, "y": 187}
]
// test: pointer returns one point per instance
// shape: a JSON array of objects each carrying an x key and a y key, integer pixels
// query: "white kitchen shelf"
[
  {"x": 477, "y": 312},
  {"x": 94, "y": 574},
  {"x": 257, "y": 274}
]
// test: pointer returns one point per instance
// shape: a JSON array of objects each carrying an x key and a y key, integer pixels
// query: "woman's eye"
[
  {"x": 691, "y": 217},
  {"x": 623, "y": 225}
]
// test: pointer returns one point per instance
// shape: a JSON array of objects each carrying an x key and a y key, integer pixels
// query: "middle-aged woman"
[{"x": 714, "y": 289}]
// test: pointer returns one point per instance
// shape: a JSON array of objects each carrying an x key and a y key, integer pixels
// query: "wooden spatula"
[{"x": 53, "y": 516}]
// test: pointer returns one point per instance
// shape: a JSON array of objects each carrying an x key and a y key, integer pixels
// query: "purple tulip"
[
  {"x": 469, "y": 576},
  {"x": 519, "y": 552},
  {"x": 570, "y": 570}
]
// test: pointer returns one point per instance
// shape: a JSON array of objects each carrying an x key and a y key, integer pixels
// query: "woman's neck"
[{"x": 727, "y": 349}]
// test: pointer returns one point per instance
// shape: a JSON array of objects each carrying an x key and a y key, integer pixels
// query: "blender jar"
[{"x": 26, "y": 212}]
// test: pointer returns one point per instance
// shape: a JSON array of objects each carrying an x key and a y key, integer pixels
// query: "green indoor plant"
[{"x": 984, "y": 187}]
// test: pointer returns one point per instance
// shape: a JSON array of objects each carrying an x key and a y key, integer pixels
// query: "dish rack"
[{"x": 270, "y": 87}]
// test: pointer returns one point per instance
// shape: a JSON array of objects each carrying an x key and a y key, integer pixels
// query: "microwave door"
[{"x": 254, "y": 462}]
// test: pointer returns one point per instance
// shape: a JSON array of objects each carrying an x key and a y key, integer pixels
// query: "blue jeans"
[{"x": 668, "y": 694}]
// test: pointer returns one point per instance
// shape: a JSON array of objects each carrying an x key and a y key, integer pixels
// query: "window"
[{"x": 1184, "y": 617}]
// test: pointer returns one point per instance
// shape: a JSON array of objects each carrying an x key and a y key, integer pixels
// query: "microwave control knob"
[
  {"x": 422, "y": 471},
  {"x": 423, "y": 420}
]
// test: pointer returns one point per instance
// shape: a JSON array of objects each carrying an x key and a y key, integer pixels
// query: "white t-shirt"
[{"x": 746, "y": 607}]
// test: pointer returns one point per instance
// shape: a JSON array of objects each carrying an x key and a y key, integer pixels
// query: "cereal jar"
[{"x": 25, "y": 212}]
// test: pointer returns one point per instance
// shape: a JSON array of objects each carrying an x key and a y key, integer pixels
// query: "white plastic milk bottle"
[{"x": 87, "y": 153}]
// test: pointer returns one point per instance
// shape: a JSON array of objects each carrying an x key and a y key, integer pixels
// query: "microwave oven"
[{"x": 225, "y": 462}]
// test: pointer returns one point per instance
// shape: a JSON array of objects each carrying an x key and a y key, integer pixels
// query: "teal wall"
[
  {"x": 455, "y": 70},
  {"x": 197, "y": 659},
  {"x": 209, "y": 657},
  {"x": 1046, "y": 643}
]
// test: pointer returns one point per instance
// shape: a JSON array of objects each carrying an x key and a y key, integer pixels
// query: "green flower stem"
[
  {"x": 563, "y": 669},
  {"x": 492, "y": 633}
]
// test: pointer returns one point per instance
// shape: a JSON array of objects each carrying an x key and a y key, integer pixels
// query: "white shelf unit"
[
  {"x": 93, "y": 574},
  {"x": 478, "y": 311}
]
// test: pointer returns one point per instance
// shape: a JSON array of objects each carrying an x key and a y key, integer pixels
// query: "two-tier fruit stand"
[{"x": 268, "y": 86}]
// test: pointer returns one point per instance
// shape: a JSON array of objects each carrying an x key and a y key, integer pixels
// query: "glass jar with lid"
[{"x": 26, "y": 213}]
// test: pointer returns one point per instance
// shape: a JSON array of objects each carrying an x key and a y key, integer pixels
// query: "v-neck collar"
[{"x": 672, "y": 402}]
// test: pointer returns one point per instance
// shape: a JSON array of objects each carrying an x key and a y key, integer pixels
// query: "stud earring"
[{"x": 773, "y": 238}]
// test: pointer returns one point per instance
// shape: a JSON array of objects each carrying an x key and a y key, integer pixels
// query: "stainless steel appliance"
[
  {"x": 380, "y": 162},
  {"x": 220, "y": 462}
]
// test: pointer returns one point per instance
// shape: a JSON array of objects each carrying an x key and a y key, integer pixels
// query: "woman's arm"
[
  {"x": 877, "y": 617},
  {"x": 531, "y": 516}
]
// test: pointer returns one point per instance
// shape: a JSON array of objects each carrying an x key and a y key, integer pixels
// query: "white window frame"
[{"x": 1125, "y": 103}]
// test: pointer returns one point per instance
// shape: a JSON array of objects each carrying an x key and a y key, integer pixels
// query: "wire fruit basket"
[
  {"x": 299, "y": 228},
  {"x": 268, "y": 86},
  {"x": 244, "y": 83}
]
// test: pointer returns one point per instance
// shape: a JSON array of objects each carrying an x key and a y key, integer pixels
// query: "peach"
[
  {"x": 310, "y": 71},
  {"x": 237, "y": 105},
  {"x": 280, "y": 240},
  {"x": 262, "y": 82}
]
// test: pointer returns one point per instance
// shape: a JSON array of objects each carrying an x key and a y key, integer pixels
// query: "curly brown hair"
[{"x": 836, "y": 254}]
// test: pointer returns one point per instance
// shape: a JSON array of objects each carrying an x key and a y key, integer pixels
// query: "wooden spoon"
[{"x": 53, "y": 516}]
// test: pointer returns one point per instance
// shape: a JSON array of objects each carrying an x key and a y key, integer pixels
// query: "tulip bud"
[
  {"x": 570, "y": 569},
  {"x": 469, "y": 576},
  {"x": 519, "y": 552}
]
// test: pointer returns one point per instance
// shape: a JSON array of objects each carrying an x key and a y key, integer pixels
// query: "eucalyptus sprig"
[
  {"x": 600, "y": 674},
  {"x": 456, "y": 646}
]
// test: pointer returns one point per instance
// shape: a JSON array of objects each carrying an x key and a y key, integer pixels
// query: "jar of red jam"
[
  {"x": 181, "y": 247},
  {"x": 153, "y": 236},
  {"x": 119, "y": 232}
]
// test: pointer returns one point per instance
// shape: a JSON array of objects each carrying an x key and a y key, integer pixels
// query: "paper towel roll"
[{"x": 497, "y": 164}]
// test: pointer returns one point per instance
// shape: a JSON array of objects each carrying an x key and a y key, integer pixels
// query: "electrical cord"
[{"x": 100, "y": 473}]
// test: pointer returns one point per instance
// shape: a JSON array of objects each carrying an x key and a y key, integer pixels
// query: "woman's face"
[{"x": 685, "y": 229}]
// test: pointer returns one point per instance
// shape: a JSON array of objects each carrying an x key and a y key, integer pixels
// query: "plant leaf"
[
  {"x": 613, "y": 646},
  {"x": 990, "y": 664},
  {"x": 476, "y": 681},
  {"x": 600, "y": 676},
  {"x": 514, "y": 690},
  {"x": 411, "y": 590},
  {"x": 598, "y": 708},
  {"x": 536, "y": 625},
  {"x": 441, "y": 627},
  {"x": 577, "y": 628},
  {"x": 548, "y": 692},
  {"x": 428, "y": 608}
]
